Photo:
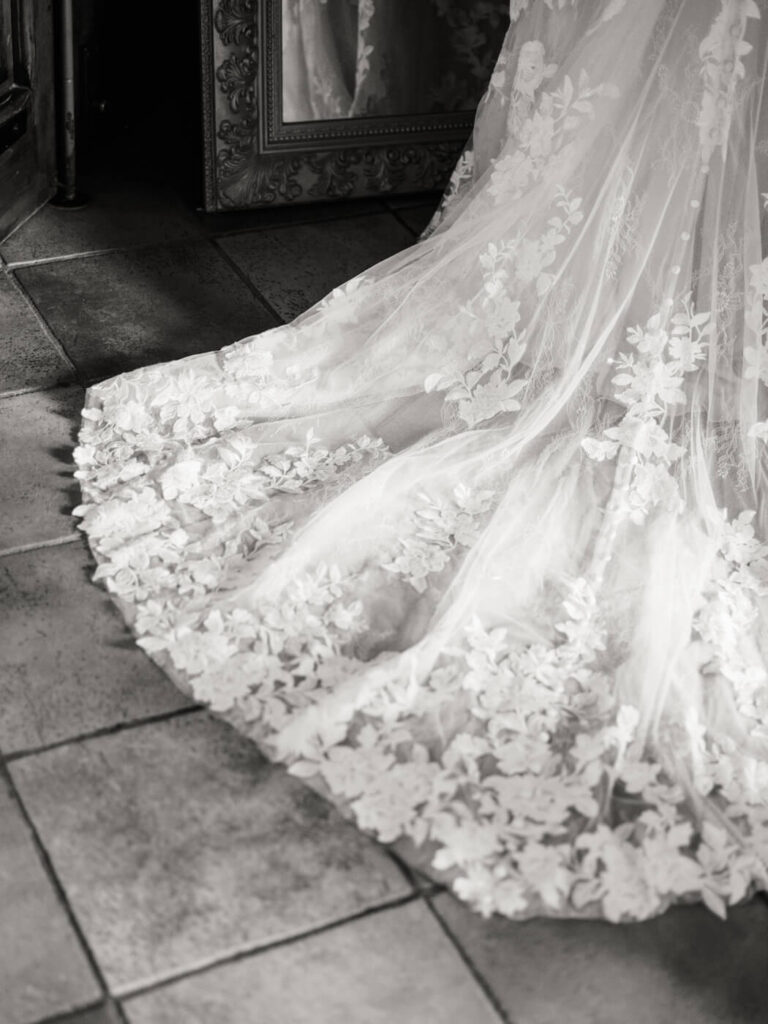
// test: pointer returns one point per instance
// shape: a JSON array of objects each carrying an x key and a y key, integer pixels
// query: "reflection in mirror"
[{"x": 373, "y": 58}]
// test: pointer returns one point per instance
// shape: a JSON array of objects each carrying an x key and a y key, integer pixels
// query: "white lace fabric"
[{"x": 477, "y": 545}]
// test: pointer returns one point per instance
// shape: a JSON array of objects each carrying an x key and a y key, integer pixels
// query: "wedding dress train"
[{"x": 478, "y": 546}]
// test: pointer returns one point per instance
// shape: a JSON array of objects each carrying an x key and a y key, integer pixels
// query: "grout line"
[
  {"x": 404, "y": 223},
  {"x": 111, "y": 250},
  {"x": 4, "y": 261},
  {"x": 403, "y": 868},
  {"x": 36, "y": 389},
  {"x": 70, "y": 1015},
  {"x": 106, "y": 730},
  {"x": 56, "y": 542},
  {"x": 54, "y": 341},
  {"x": 423, "y": 885},
  {"x": 260, "y": 949},
  {"x": 469, "y": 964},
  {"x": 247, "y": 281},
  {"x": 75, "y": 1016},
  {"x": 25, "y": 219},
  {"x": 60, "y": 892},
  {"x": 202, "y": 233}
]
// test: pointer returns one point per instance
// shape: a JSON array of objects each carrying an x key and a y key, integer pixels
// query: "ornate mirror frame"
[{"x": 252, "y": 158}]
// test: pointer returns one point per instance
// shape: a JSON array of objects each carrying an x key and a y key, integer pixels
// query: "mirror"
[
  {"x": 357, "y": 58},
  {"x": 310, "y": 100}
]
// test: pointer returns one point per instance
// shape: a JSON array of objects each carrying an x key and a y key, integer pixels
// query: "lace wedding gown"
[{"x": 478, "y": 545}]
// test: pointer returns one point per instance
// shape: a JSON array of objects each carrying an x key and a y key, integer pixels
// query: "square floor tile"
[
  {"x": 122, "y": 310},
  {"x": 178, "y": 845},
  {"x": 119, "y": 214},
  {"x": 294, "y": 267},
  {"x": 394, "y": 967},
  {"x": 36, "y": 469},
  {"x": 685, "y": 967},
  {"x": 68, "y": 664},
  {"x": 28, "y": 358},
  {"x": 43, "y": 970}
]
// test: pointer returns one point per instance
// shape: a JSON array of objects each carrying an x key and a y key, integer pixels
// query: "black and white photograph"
[{"x": 384, "y": 512}]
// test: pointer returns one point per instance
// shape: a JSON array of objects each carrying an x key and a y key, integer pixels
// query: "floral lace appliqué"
[
  {"x": 721, "y": 53},
  {"x": 494, "y": 384},
  {"x": 437, "y": 528},
  {"x": 651, "y": 378}
]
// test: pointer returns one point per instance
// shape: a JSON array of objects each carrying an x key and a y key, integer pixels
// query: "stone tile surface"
[
  {"x": 121, "y": 310},
  {"x": 120, "y": 213},
  {"x": 43, "y": 970},
  {"x": 178, "y": 844},
  {"x": 103, "y": 1014},
  {"x": 38, "y": 488},
  {"x": 281, "y": 216},
  {"x": 394, "y": 967},
  {"x": 28, "y": 359},
  {"x": 416, "y": 217},
  {"x": 294, "y": 267},
  {"x": 68, "y": 664},
  {"x": 685, "y": 967}
]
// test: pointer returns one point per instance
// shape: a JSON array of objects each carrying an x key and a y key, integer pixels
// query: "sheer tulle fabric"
[{"x": 476, "y": 546}]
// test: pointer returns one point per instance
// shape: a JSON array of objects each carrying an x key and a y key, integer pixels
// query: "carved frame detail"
[{"x": 253, "y": 159}]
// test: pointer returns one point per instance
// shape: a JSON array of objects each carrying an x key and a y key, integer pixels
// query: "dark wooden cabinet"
[
  {"x": 27, "y": 142},
  {"x": 6, "y": 49}
]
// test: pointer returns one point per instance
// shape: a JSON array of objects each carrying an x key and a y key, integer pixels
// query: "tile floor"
[{"x": 154, "y": 869}]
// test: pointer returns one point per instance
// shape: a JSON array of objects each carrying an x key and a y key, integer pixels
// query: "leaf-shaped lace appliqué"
[
  {"x": 436, "y": 528},
  {"x": 652, "y": 377},
  {"x": 494, "y": 384}
]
